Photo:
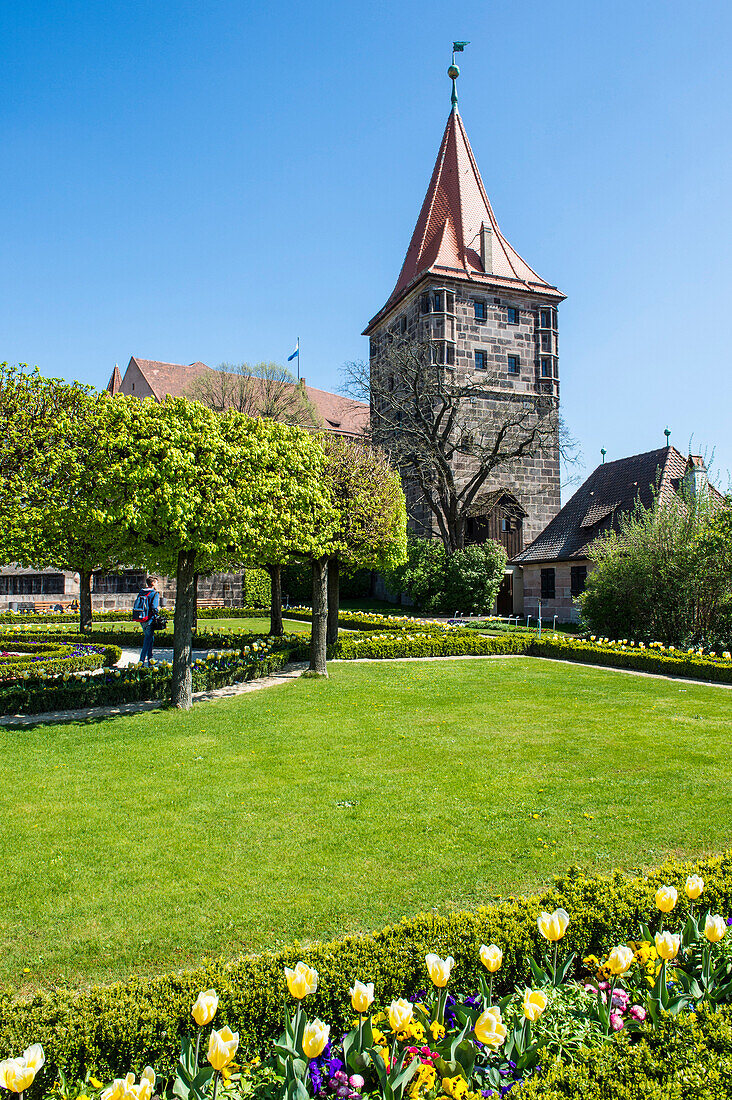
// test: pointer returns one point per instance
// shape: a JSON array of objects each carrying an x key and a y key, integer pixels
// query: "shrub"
[
  {"x": 257, "y": 588},
  {"x": 108, "y": 1029},
  {"x": 453, "y": 643},
  {"x": 44, "y": 660},
  {"x": 467, "y": 580},
  {"x": 619, "y": 655}
]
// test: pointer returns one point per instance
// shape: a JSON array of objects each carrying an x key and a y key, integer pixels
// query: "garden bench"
[{"x": 208, "y": 604}]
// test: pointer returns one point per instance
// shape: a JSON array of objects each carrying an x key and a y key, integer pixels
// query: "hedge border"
[{"x": 108, "y": 1029}]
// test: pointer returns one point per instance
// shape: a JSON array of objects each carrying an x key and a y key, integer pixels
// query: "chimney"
[{"x": 486, "y": 247}]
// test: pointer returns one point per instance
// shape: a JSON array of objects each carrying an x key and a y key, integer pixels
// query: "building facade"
[{"x": 488, "y": 317}]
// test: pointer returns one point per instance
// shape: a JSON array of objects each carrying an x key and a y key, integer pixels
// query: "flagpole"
[{"x": 298, "y": 358}]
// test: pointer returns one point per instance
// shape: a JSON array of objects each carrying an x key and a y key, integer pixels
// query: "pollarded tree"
[
  {"x": 54, "y": 479},
  {"x": 372, "y": 528},
  {"x": 199, "y": 491},
  {"x": 256, "y": 389}
]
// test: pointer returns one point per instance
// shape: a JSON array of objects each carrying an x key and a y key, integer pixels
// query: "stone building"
[
  {"x": 556, "y": 564},
  {"x": 486, "y": 313}
]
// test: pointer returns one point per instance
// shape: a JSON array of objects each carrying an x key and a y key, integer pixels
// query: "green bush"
[
  {"x": 371, "y": 620},
  {"x": 109, "y": 1029},
  {"x": 716, "y": 669},
  {"x": 136, "y": 683},
  {"x": 45, "y": 660},
  {"x": 686, "y": 1057},
  {"x": 452, "y": 643},
  {"x": 257, "y": 588},
  {"x": 466, "y": 581}
]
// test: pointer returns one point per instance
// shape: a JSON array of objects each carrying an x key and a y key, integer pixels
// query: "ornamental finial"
[{"x": 454, "y": 72}]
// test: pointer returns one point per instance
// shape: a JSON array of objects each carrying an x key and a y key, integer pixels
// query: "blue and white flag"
[{"x": 296, "y": 352}]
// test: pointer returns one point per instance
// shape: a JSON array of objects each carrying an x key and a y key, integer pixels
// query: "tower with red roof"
[{"x": 486, "y": 313}]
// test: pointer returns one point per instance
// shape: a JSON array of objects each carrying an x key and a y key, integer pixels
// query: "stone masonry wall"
[{"x": 535, "y": 482}]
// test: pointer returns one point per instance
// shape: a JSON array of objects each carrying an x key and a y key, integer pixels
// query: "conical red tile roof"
[{"x": 446, "y": 239}]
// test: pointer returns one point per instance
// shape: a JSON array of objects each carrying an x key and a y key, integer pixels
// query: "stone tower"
[{"x": 486, "y": 313}]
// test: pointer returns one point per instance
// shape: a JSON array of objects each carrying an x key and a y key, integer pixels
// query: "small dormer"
[{"x": 695, "y": 481}]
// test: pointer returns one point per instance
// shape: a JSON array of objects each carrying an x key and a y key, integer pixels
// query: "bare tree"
[
  {"x": 256, "y": 389},
  {"x": 449, "y": 432}
]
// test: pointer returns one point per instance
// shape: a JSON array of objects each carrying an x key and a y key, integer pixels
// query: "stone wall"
[
  {"x": 564, "y": 605},
  {"x": 535, "y": 481}
]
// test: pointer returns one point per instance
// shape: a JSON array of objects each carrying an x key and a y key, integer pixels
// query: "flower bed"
[
  {"x": 387, "y": 645},
  {"x": 130, "y": 639},
  {"x": 40, "y": 661},
  {"x": 260, "y": 657},
  {"x": 693, "y": 664},
  {"x": 370, "y": 620},
  {"x": 106, "y": 1030}
]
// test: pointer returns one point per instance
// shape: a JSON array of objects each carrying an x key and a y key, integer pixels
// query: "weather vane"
[{"x": 454, "y": 72}]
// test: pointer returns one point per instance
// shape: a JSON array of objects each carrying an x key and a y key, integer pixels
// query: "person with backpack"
[{"x": 144, "y": 611}]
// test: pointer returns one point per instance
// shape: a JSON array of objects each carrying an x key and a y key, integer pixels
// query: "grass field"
[{"x": 304, "y": 811}]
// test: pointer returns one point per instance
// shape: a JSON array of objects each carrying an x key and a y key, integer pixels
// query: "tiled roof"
[
  {"x": 337, "y": 414},
  {"x": 115, "y": 381},
  {"x": 446, "y": 238},
  {"x": 609, "y": 491}
]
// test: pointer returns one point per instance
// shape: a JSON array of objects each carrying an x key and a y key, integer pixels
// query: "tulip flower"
[
  {"x": 222, "y": 1047},
  {"x": 204, "y": 1008},
  {"x": 147, "y": 1084},
  {"x": 490, "y": 1028},
  {"x": 667, "y": 946},
  {"x": 16, "y": 1074},
  {"x": 666, "y": 898},
  {"x": 314, "y": 1038},
  {"x": 301, "y": 981},
  {"x": 553, "y": 925},
  {"x": 439, "y": 969},
  {"x": 362, "y": 996},
  {"x": 400, "y": 1014},
  {"x": 714, "y": 928},
  {"x": 534, "y": 1004},
  {"x": 619, "y": 961},
  {"x": 694, "y": 887},
  {"x": 491, "y": 957}
]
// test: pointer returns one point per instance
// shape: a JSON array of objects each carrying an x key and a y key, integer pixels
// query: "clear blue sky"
[{"x": 208, "y": 181}]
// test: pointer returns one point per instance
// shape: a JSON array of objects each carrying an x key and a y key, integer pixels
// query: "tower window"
[
  {"x": 546, "y": 318},
  {"x": 513, "y": 316},
  {"x": 403, "y": 324},
  {"x": 546, "y": 342},
  {"x": 480, "y": 310},
  {"x": 578, "y": 579},
  {"x": 481, "y": 360},
  {"x": 424, "y": 304},
  {"x": 556, "y": 368},
  {"x": 514, "y": 364},
  {"x": 548, "y": 584},
  {"x": 437, "y": 302},
  {"x": 450, "y": 357},
  {"x": 546, "y": 368}
]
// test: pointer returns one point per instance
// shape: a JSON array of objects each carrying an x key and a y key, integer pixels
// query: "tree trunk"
[
  {"x": 276, "y": 627},
  {"x": 195, "y": 602},
  {"x": 333, "y": 599},
  {"x": 85, "y": 601},
  {"x": 320, "y": 616},
  {"x": 185, "y": 609}
]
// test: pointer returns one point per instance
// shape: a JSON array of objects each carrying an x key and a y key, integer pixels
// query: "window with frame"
[
  {"x": 403, "y": 324},
  {"x": 450, "y": 355},
  {"x": 33, "y": 584},
  {"x": 481, "y": 313},
  {"x": 546, "y": 342},
  {"x": 556, "y": 368},
  {"x": 481, "y": 360},
  {"x": 546, "y": 368},
  {"x": 514, "y": 364},
  {"x": 548, "y": 584},
  {"x": 512, "y": 315},
  {"x": 546, "y": 318},
  {"x": 578, "y": 579}
]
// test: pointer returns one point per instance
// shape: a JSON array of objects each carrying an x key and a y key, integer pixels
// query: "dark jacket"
[{"x": 153, "y": 603}]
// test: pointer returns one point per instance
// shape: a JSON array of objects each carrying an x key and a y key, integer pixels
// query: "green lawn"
[{"x": 304, "y": 811}]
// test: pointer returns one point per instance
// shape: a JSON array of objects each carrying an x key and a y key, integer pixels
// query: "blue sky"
[{"x": 190, "y": 181}]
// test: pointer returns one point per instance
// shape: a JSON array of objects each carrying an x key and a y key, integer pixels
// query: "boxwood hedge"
[{"x": 108, "y": 1029}]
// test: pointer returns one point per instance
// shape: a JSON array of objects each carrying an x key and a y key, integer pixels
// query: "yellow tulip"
[
  {"x": 205, "y": 1006},
  {"x": 534, "y": 1004},
  {"x": 491, "y": 957},
  {"x": 222, "y": 1047},
  {"x": 619, "y": 961},
  {"x": 147, "y": 1083},
  {"x": 553, "y": 925},
  {"x": 666, "y": 898},
  {"x": 667, "y": 946},
  {"x": 314, "y": 1038},
  {"x": 439, "y": 969},
  {"x": 362, "y": 996},
  {"x": 301, "y": 981},
  {"x": 490, "y": 1028},
  {"x": 400, "y": 1014},
  {"x": 694, "y": 887},
  {"x": 16, "y": 1074},
  {"x": 714, "y": 928}
]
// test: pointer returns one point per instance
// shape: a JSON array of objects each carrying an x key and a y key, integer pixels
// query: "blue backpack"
[{"x": 141, "y": 606}]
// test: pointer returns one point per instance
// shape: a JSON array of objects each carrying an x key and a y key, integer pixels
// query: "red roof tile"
[{"x": 446, "y": 238}]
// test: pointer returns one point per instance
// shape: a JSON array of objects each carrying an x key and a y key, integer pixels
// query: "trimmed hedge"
[
  {"x": 257, "y": 587},
  {"x": 108, "y": 1029},
  {"x": 367, "y": 620},
  {"x": 691, "y": 666},
  {"x": 136, "y": 683},
  {"x": 49, "y": 660},
  {"x": 686, "y": 1057},
  {"x": 454, "y": 643},
  {"x": 132, "y": 639}
]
